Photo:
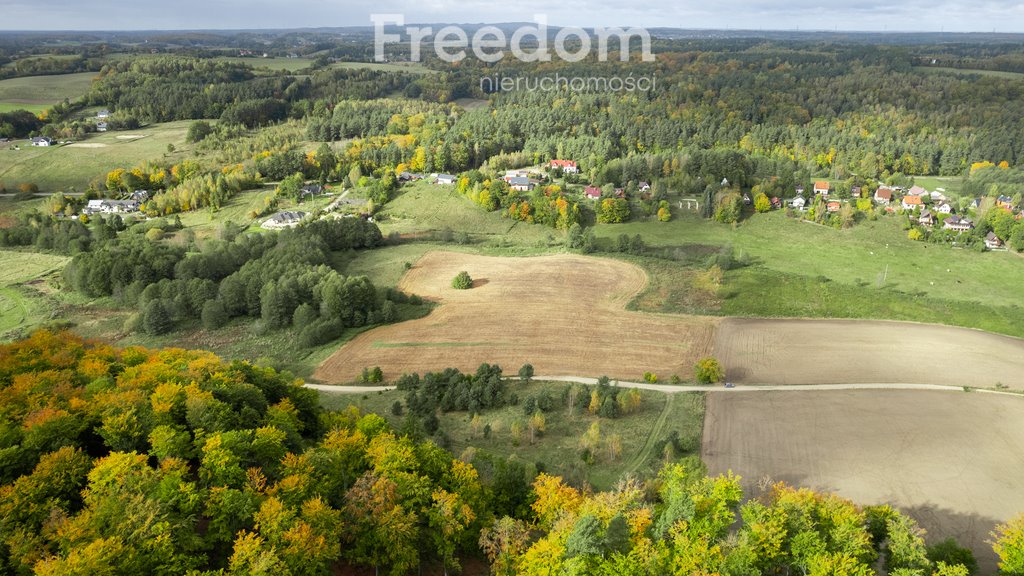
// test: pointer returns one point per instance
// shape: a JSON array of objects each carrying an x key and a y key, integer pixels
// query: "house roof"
[
  {"x": 519, "y": 181},
  {"x": 563, "y": 163},
  {"x": 917, "y": 191},
  {"x": 992, "y": 236},
  {"x": 592, "y": 192},
  {"x": 822, "y": 185},
  {"x": 445, "y": 177},
  {"x": 884, "y": 193},
  {"x": 912, "y": 200}
]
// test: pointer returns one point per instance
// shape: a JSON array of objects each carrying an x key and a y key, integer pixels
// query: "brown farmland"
[
  {"x": 756, "y": 351},
  {"x": 950, "y": 459},
  {"x": 564, "y": 314}
]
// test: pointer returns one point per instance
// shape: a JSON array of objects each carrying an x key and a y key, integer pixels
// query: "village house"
[
  {"x": 992, "y": 242},
  {"x": 409, "y": 177},
  {"x": 911, "y": 202},
  {"x": 1005, "y": 202},
  {"x": 926, "y": 219},
  {"x": 798, "y": 203},
  {"x": 883, "y": 196},
  {"x": 855, "y": 192},
  {"x": 944, "y": 208},
  {"x": 103, "y": 114},
  {"x": 822, "y": 187},
  {"x": 917, "y": 191},
  {"x": 510, "y": 174},
  {"x": 957, "y": 224},
  {"x": 592, "y": 192},
  {"x": 520, "y": 184},
  {"x": 283, "y": 220},
  {"x": 644, "y": 187},
  {"x": 620, "y": 192},
  {"x": 833, "y": 206},
  {"x": 799, "y": 189},
  {"x": 312, "y": 190},
  {"x": 101, "y": 126},
  {"x": 445, "y": 179},
  {"x": 776, "y": 203},
  {"x": 567, "y": 166},
  {"x": 140, "y": 195},
  {"x": 42, "y": 141}
]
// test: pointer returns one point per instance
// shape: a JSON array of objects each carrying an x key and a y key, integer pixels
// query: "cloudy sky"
[{"x": 880, "y": 15}]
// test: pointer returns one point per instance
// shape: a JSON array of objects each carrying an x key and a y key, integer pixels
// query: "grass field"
[
  {"x": 37, "y": 93},
  {"x": 869, "y": 271},
  {"x": 20, "y": 307},
  {"x": 951, "y": 184},
  {"x": 207, "y": 222},
  {"x": 949, "y": 459},
  {"x": 75, "y": 165},
  {"x": 410, "y": 67},
  {"x": 558, "y": 449},
  {"x": 564, "y": 314},
  {"x": 289, "y": 64}
]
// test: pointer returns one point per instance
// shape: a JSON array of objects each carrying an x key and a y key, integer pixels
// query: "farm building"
[{"x": 445, "y": 179}]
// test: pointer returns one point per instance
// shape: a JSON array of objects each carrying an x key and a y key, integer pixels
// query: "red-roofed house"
[
  {"x": 592, "y": 192},
  {"x": 567, "y": 166},
  {"x": 834, "y": 206},
  {"x": 883, "y": 196},
  {"x": 910, "y": 202},
  {"x": 822, "y": 187}
]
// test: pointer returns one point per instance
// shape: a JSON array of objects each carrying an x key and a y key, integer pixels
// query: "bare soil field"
[
  {"x": 766, "y": 351},
  {"x": 950, "y": 459},
  {"x": 564, "y": 314}
]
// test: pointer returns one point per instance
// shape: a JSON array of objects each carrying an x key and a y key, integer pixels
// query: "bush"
[
  {"x": 708, "y": 371},
  {"x": 650, "y": 378},
  {"x": 156, "y": 319},
  {"x": 462, "y": 281}
]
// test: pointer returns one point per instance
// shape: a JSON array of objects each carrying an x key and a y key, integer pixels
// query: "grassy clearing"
[
  {"x": 852, "y": 257},
  {"x": 276, "y": 64},
  {"x": 76, "y": 165},
  {"x": 558, "y": 450},
  {"x": 424, "y": 208},
  {"x": 21, "y": 307},
  {"x": 951, "y": 184},
  {"x": 37, "y": 93},
  {"x": 410, "y": 67}
]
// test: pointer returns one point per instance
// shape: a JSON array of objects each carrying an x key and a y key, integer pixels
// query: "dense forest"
[{"x": 136, "y": 461}]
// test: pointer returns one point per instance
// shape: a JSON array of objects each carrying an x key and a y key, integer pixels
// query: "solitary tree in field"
[
  {"x": 525, "y": 373},
  {"x": 708, "y": 371},
  {"x": 462, "y": 281}
]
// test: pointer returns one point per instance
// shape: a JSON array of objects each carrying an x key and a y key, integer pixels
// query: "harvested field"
[
  {"x": 564, "y": 314},
  {"x": 87, "y": 145},
  {"x": 916, "y": 450},
  {"x": 861, "y": 351}
]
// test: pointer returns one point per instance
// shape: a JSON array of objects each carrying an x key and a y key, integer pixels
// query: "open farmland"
[
  {"x": 37, "y": 93},
  {"x": 75, "y": 165},
  {"x": 19, "y": 307},
  {"x": 916, "y": 450},
  {"x": 564, "y": 314},
  {"x": 859, "y": 351}
]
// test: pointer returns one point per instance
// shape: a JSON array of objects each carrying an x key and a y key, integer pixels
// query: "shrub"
[
  {"x": 213, "y": 315},
  {"x": 462, "y": 281}
]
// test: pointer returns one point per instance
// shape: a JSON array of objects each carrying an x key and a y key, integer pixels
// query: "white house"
[
  {"x": 102, "y": 114},
  {"x": 520, "y": 184},
  {"x": 992, "y": 242},
  {"x": 798, "y": 203},
  {"x": 957, "y": 224},
  {"x": 283, "y": 220},
  {"x": 111, "y": 207},
  {"x": 101, "y": 126},
  {"x": 645, "y": 187},
  {"x": 42, "y": 141},
  {"x": 446, "y": 179},
  {"x": 822, "y": 187},
  {"x": 567, "y": 166}
]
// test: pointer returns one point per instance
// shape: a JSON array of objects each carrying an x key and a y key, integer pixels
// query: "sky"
[{"x": 848, "y": 15}]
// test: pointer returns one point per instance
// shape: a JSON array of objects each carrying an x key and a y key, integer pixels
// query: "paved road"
[{"x": 669, "y": 389}]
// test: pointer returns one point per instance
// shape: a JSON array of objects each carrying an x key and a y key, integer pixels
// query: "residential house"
[
  {"x": 917, "y": 191},
  {"x": 103, "y": 114},
  {"x": 567, "y": 166},
  {"x": 510, "y": 174},
  {"x": 833, "y": 206},
  {"x": 799, "y": 189},
  {"x": 42, "y": 141},
  {"x": 883, "y": 196},
  {"x": 822, "y": 187},
  {"x": 592, "y": 192},
  {"x": 957, "y": 224},
  {"x": 312, "y": 190},
  {"x": 111, "y": 207},
  {"x": 140, "y": 195},
  {"x": 746, "y": 199},
  {"x": 281, "y": 220},
  {"x": 521, "y": 184},
  {"x": 645, "y": 187},
  {"x": 798, "y": 203},
  {"x": 101, "y": 126},
  {"x": 856, "y": 191},
  {"x": 445, "y": 179},
  {"x": 992, "y": 242},
  {"x": 926, "y": 218},
  {"x": 1005, "y": 202},
  {"x": 409, "y": 176},
  {"x": 944, "y": 208},
  {"x": 620, "y": 192},
  {"x": 776, "y": 203},
  {"x": 911, "y": 202}
]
